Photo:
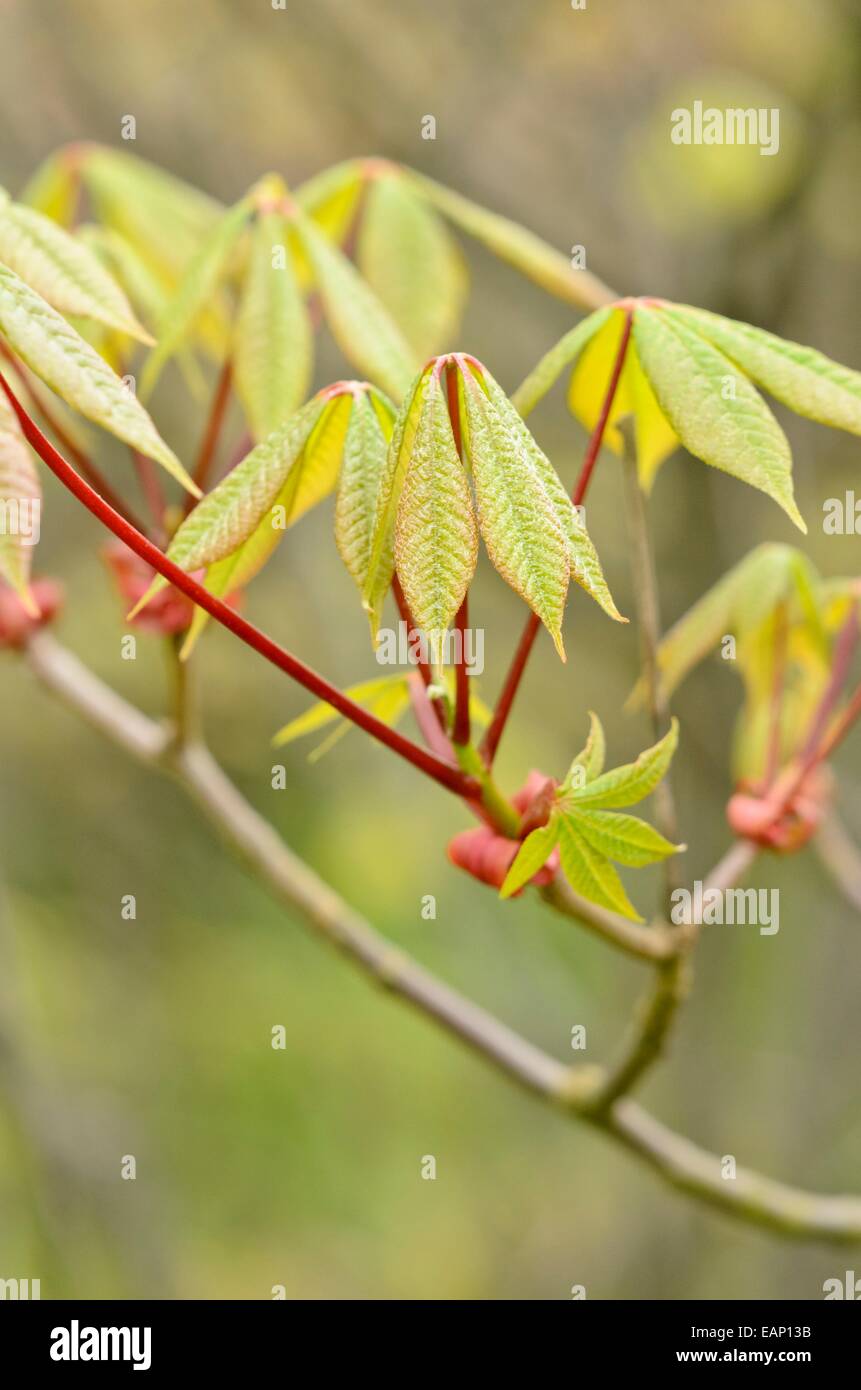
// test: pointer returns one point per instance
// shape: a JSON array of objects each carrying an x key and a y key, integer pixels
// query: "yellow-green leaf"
[
  {"x": 631, "y": 782},
  {"x": 59, "y": 356},
  {"x": 625, "y": 839},
  {"x": 365, "y": 449},
  {"x": 590, "y": 873},
  {"x": 367, "y": 693},
  {"x": 531, "y": 857},
  {"x": 273, "y": 354},
  {"x": 713, "y": 408},
  {"x": 589, "y": 762},
  {"x": 436, "y": 536},
  {"x": 564, "y": 354},
  {"x": 361, "y": 326},
  {"x": 408, "y": 257},
  {"x": 20, "y": 505}
]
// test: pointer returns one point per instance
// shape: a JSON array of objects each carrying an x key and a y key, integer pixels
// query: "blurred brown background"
[{"x": 151, "y": 1038}]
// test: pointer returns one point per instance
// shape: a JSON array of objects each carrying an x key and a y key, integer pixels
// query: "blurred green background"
[{"x": 302, "y": 1167}]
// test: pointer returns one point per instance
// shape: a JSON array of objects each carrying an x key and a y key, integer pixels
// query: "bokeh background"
[{"x": 302, "y": 1167}]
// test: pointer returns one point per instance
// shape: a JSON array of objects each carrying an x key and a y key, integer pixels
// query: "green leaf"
[
  {"x": 409, "y": 259},
  {"x": 584, "y": 563},
  {"x": 140, "y": 282},
  {"x": 625, "y": 839},
  {"x": 565, "y": 354},
  {"x": 63, "y": 271},
  {"x": 517, "y": 246},
  {"x": 273, "y": 355},
  {"x": 361, "y": 326},
  {"x": 630, "y": 783},
  {"x": 365, "y": 449},
  {"x": 195, "y": 289},
  {"x": 717, "y": 414},
  {"x": 590, "y": 873},
  {"x": 20, "y": 502},
  {"x": 533, "y": 854},
  {"x": 807, "y": 381},
  {"x": 53, "y": 189},
  {"x": 163, "y": 218},
  {"x": 386, "y": 696},
  {"x": 590, "y": 760},
  {"x": 519, "y": 520},
  {"x": 381, "y": 564},
  {"x": 59, "y": 356},
  {"x": 275, "y": 472},
  {"x": 436, "y": 538}
]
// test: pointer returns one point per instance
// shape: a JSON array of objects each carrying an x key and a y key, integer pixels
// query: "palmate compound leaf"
[
  {"x": 20, "y": 503},
  {"x": 361, "y": 326},
  {"x": 713, "y": 408},
  {"x": 273, "y": 351},
  {"x": 436, "y": 535},
  {"x": 807, "y": 381},
  {"x": 408, "y": 257},
  {"x": 63, "y": 270},
  {"x": 195, "y": 289},
  {"x": 518, "y": 517},
  {"x": 64, "y": 361}
]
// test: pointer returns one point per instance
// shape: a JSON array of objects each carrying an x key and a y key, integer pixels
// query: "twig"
[
  {"x": 841, "y": 857},
  {"x": 749, "y": 1196}
]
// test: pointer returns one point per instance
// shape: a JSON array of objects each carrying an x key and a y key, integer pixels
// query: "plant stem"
[
  {"x": 212, "y": 431},
  {"x": 649, "y": 623},
  {"x": 83, "y": 463},
  {"x": 460, "y": 726},
  {"x": 496, "y": 728},
  {"x": 426, "y": 762},
  {"x": 752, "y": 1197}
]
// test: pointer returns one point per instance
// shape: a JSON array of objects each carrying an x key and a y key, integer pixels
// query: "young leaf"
[
  {"x": 564, "y": 354},
  {"x": 63, "y": 271},
  {"x": 590, "y": 873},
  {"x": 533, "y": 854},
  {"x": 373, "y": 694},
  {"x": 589, "y": 762},
  {"x": 20, "y": 500},
  {"x": 53, "y": 189},
  {"x": 331, "y": 198},
  {"x": 365, "y": 448},
  {"x": 630, "y": 783},
  {"x": 625, "y": 839},
  {"x": 717, "y": 414},
  {"x": 381, "y": 563},
  {"x": 407, "y": 256},
  {"x": 585, "y": 565},
  {"x": 273, "y": 355},
  {"x": 360, "y": 325},
  {"x": 517, "y": 246},
  {"x": 518, "y": 519},
  {"x": 195, "y": 289},
  {"x": 436, "y": 538},
  {"x": 226, "y": 518},
  {"x": 807, "y": 381},
  {"x": 55, "y": 352}
]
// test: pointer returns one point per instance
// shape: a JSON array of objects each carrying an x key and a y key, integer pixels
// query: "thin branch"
[
  {"x": 496, "y": 728},
  {"x": 841, "y": 857},
  {"x": 451, "y": 778},
  {"x": 652, "y": 943},
  {"x": 749, "y": 1196}
]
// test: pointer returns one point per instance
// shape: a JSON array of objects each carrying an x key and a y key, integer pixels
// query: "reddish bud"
[
  {"x": 16, "y": 624},
  {"x": 488, "y": 856},
  {"x": 169, "y": 611}
]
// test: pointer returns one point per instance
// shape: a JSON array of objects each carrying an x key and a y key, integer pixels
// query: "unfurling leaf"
[
  {"x": 589, "y": 762},
  {"x": 565, "y": 353},
  {"x": 408, "y": 257},
  {"x": 365, "y": 448},
  {"x": 59, "y": 356},
  {"x": 63, "y": 271},
  {"x": 630, "y": 783},
  {"x": 388, "y": 697},
  {"x": 20, "y": 501},
  {"x": 361, "y": 326},
  {"x": 713, "y": 408},
  {"x": 519, "y": 520},
  {"x": 273, "y": 354},
  {"x": 532, "y": 856},
  {"x": 198, "y": 283},
  {"x": 436, "y": 539}
]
